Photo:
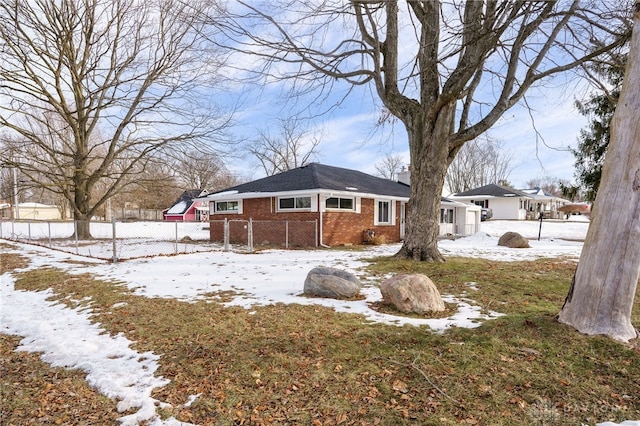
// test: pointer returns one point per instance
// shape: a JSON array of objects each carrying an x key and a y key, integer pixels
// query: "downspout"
[{"x": 320, "y": 214}]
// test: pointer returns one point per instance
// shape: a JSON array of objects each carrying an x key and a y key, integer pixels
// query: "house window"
[
  {"x": 294, "y": 203},
  {"x": 227, "y": 206},
  {"x": 384, "y": 213},
  {"x": 446, "y": 215},
  {"x": 340, "y": 203}
]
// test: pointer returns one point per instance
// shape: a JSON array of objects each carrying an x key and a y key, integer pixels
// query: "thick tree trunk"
[
  {"x": 430, "y": 159},
  {"x": 83, "y": 228},
  {"x": 82, "y": 207},
  {"x": 423, "y": 216},
  {"x": 601, "y": 297}
]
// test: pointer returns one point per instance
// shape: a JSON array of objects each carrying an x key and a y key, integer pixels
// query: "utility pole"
[{"x": 16, "y": 214}]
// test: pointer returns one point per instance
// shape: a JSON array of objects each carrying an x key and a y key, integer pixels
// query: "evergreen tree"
[{"x": 594, "y": 140}]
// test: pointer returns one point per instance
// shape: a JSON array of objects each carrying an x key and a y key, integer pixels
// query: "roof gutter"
[{"x": 232, "y": 195}]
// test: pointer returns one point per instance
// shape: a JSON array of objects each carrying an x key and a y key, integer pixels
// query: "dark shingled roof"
[
  {"x": 319, "y": 176},
  {"x": 493, "y": 190}
]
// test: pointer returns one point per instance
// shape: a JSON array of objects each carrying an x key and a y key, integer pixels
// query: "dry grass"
[
  {"x": 32, "y": 392},
  {"x": 293, "y": 364}
]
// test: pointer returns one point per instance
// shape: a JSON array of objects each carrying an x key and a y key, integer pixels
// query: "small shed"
[{"x": 187, "y": 208}]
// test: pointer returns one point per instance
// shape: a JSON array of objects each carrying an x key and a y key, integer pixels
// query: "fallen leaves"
[
  {"x": 400, "y": 386},
  {"x": 33, "y": 392},
  {"x": 310, "y": 365}
]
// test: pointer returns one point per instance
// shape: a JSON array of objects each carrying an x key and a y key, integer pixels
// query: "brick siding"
[{"x": 339, "y": 228}]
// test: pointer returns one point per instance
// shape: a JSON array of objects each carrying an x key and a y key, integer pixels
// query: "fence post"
[
  {"x": 29, "y": 231},
  {"x": 316, "y": 226},
  {"x": 250, "y": 235},
  {"x": 175, "y": 246},
  {"x": 286, "y": 234},
  {"x": 114, "y": 259},
  {"x": 225, "y": 232},
  {"x": 49, "y": 226},
  {"x": 75, "y": 233}
]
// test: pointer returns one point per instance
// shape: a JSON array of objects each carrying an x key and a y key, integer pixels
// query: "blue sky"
[
  {"x": 351, "y": 139},
  {"x": 537, "y": 135}
]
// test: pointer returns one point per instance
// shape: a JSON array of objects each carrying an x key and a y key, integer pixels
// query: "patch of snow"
[
  {"x": 67, "y": 338},
  {"x": 192, "y": 399}
]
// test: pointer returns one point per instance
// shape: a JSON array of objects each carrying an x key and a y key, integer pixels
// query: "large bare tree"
[
  {"x": 292, "y": 145},
  {"x": 600, "y": 299},
  {"x": 390, "y": 166},
  {"x": 448, "y": 70},
  {"x": 478, "y": 163},
  {"x": 90, "y": 89},
  {"x": 195, "y": 169}
]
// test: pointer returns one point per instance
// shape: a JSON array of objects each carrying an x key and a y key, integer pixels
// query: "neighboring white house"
[
  {"x": 545, "y": 203},
  {"x": 37, "y": 211},
  {"x": 509, "y": 203},
  {"x": 505, "y": 202},
  {"x": 6, "y": 210}
]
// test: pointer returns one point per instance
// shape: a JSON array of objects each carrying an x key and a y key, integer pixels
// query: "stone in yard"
[
  {"x": 412, "y": 293},
  {"x": 332, "y": 283},
  {"x": 513, "y": 240}
]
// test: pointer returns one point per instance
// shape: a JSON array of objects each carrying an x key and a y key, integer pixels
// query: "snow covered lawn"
[{"x": 68, "y": 337}]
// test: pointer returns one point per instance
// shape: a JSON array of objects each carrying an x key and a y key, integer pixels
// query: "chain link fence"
[
  {"x": 265, "y": 233},
  {"x": 122, "y": 240},
  {"x": 113, "y": 240}
]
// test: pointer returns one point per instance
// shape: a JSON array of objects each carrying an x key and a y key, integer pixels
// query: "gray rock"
[
  {"x": 332, "y": 283},
  {"x": 513, "y": 240},
  {"x": 412, "y": 293}
]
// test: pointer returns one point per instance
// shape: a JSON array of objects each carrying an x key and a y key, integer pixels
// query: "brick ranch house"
[{"x": 318, "y": 205}]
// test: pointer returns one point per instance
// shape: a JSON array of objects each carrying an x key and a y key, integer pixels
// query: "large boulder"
[
  {"x": 513, "y": 240},
  {"x": 412, "y": 293},
  {"x": 331, "y": 282}
]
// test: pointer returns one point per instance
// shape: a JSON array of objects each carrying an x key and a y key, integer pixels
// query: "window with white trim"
[
  {"x": 384, "y": 212},
  {"x": 446, "y": 215},
  {"x": 294, "y": 203},
  {"x": 227, "y": 207},
  {"x": 340, "y": 203}
]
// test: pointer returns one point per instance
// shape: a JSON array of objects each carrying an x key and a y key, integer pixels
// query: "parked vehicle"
[
  {"x": 575, "y": 208},
  {"x": 486, "y": 214}
]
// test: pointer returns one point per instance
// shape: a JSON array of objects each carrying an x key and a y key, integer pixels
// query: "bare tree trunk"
[
  {"x": 423, "y": 213},
  {"x": 83, "y": 214},
  {"x": 88, "y": 84},
  {"x": 83, "y": 228},
  {"x": 82, "y": 196},
  {"x": 601, "y": 296},
  {"x": 428, "y": 140},
  {"x": 429, "y": 71}
]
